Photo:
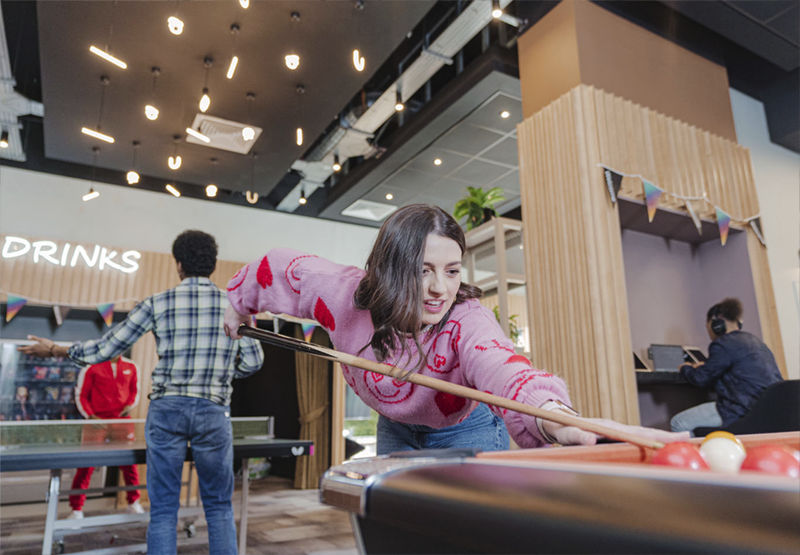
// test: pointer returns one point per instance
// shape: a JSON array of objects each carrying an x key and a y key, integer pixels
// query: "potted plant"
[{"x": 478, "y": 205}]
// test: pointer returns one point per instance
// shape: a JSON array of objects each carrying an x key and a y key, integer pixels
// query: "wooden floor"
[{"x": 282, "y": 521}]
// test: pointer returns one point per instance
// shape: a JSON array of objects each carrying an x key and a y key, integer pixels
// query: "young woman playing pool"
[{"x": 411, "y": 309}]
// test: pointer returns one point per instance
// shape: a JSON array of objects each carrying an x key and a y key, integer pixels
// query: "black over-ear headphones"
[{"x": 718, "y": 326}]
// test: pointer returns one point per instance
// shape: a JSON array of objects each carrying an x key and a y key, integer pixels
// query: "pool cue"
[{"x": 443, "y": 386}]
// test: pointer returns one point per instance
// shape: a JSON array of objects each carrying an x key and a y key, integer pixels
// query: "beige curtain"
[{"x": 313, "y": 391}]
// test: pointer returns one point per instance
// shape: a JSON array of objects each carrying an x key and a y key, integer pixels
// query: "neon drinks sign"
[{"x": 67, "y": 255}]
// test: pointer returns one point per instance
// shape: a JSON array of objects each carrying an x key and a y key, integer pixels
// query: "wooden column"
[{"x": 599, "y": 89}]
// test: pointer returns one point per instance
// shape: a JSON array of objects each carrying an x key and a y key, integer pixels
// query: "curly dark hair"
[
  {"x": 196, "y": 251},
  {"x": 392, "y": 288},
  {"x": 730, "y": 309}
]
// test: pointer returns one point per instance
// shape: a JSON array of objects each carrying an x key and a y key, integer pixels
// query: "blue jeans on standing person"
[
  {"x": 480, "y": 430},
  {"x": 172, "y": 423},
  {"x": 705, "y": 415}
]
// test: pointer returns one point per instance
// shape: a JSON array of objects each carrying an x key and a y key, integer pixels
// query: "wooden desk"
[{"x": 664, "y": 394}]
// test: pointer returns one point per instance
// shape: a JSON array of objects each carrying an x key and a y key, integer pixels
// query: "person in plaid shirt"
[{"x": 191, "y": 390}]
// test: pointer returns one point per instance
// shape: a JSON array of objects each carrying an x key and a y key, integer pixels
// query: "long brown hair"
[{"x": 392, "y": 288}]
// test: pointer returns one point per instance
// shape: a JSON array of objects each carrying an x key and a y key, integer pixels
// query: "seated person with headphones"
[{"x": 739, "y": 367}]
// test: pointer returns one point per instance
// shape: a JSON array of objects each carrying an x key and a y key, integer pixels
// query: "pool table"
[{"x": 605, "y": 498}]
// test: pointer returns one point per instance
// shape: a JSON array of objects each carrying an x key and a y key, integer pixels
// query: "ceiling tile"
[
  {"x": 504, "y": 153},
  {"x": 488, "y": 115},
  {"x": 467, "y": 139},
  {"x": 479, "y": 173}
]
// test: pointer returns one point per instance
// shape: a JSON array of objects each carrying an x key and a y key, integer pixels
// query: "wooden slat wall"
[
  {"x": 573, "y": 243},
  {"x": 85, "y": 287}
]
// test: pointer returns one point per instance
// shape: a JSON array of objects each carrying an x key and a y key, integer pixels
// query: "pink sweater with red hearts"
[{"x": 470, "y": 350}]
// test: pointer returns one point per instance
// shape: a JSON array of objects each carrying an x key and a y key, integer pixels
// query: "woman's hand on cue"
[
  {"x": 233, "y": 320},
  {"x": 570, "y": 435}
]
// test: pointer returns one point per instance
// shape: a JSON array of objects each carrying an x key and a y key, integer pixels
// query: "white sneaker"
[
  {"x": 74, "y": 515},
  {"x": 135, "y": 508}
]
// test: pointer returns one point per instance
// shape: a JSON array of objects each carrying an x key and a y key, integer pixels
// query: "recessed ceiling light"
[
  {"x": 505, "y": 114},
  {"x": 437, "y": 161},
  {"x": 389, "y": 196}
]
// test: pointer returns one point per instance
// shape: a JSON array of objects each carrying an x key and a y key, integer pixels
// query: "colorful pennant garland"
[
  {"x": 724, "y": 222},
  {"x": 613, "y": 182},
  {"x": 755, "y": 225},
  {"x": 14, "y": 305},
  {"x": 308, "y": 331},
  {"x": 651, "y": 195},
  {"x": 106, "y": 310}
]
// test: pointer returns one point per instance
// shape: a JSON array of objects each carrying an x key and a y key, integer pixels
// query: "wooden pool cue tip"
[{"x": 445, "y": 387}]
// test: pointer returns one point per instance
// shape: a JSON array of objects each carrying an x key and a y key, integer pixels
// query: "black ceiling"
[{"x": 756, "y": 41}]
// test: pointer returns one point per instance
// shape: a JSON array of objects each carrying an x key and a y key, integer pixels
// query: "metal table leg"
[
  {"x": 243, "y": 509},
  {"x": 52, "y": 510}
]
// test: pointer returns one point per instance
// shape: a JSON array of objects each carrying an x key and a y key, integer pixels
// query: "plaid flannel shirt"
[{"x": 195, "y": 357}]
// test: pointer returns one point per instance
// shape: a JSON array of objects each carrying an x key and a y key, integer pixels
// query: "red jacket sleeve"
[{"x": 133, "y": 392}]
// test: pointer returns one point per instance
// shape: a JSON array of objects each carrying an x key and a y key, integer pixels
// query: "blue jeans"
[
  {"x": 172, "y": 423},
  {"x": 481, "y": 430},
  {"x": 705, "y": 415}
]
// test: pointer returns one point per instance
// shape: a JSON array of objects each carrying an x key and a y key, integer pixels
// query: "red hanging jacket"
[{"x": 105, "y": 389}]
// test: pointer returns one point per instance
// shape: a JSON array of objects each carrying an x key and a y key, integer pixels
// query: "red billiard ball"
[
  {"x": 681, "y": 454},
  {"x": 772, "y": 459}
]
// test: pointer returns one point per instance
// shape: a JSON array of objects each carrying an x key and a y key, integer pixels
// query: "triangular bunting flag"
[
  {"x": 651, "y": 195},
  {"x": 724, "y": 222},
  {"x": 14, "y": 305},
  {"x": 695, "y": 219},
  {"x": 60, "y": 312},
  {"x": 308, "y": 331},
  {"x": 755, "y": 225},
  {"x": 106, "y": 310},
  {"x": 613, "y": 182}
]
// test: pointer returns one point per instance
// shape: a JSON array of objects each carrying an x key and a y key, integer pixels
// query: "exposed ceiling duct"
[
  {"x": 12, "y": 105},
  {"x": 352, "y": 138}
]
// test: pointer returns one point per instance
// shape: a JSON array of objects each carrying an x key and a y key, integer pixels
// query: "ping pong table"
[{"x": 63, "y": 444}]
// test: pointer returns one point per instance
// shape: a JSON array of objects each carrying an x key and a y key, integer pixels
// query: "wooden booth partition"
[{"x": 576, "y": 284}]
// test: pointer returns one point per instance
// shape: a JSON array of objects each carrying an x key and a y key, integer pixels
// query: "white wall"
[
  {"x": 49, "y": 206},
  {"x": 777, "y": 176}
]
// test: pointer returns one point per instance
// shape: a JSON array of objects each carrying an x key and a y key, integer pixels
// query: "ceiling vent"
[
  {"x": 369, "y": 210},
  {"x": 224, "y": 134}
]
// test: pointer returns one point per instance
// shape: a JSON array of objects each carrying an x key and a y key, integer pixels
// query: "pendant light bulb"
[
  {"x": 4, "y": 139},
  {"x": 151, "y": 112},
  {"x": 92, "y": 194},
  {"x": 292, "y": 61},
  {"x": 205, "y": 101},
  {"x": 174, "y": 162},
  {"x": 302, "y": 200},
  {"x": 299, "y": 136},
  {"x": 132, "y": 177},
  {"x": 497, "y": 12},
  {"x": 337, "y": 166},
  {"x": 358, "y": 60},
  {"x": 248, "y": 133},
  {"x": 175, "y": 25},
  {"x": 172, "y": 190},
  {"x": 232, "y": 67},
  {"x": 398, "y": 101},
  {"x": 211, "y": 190},
  {"x": 244, "y": 4}
]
